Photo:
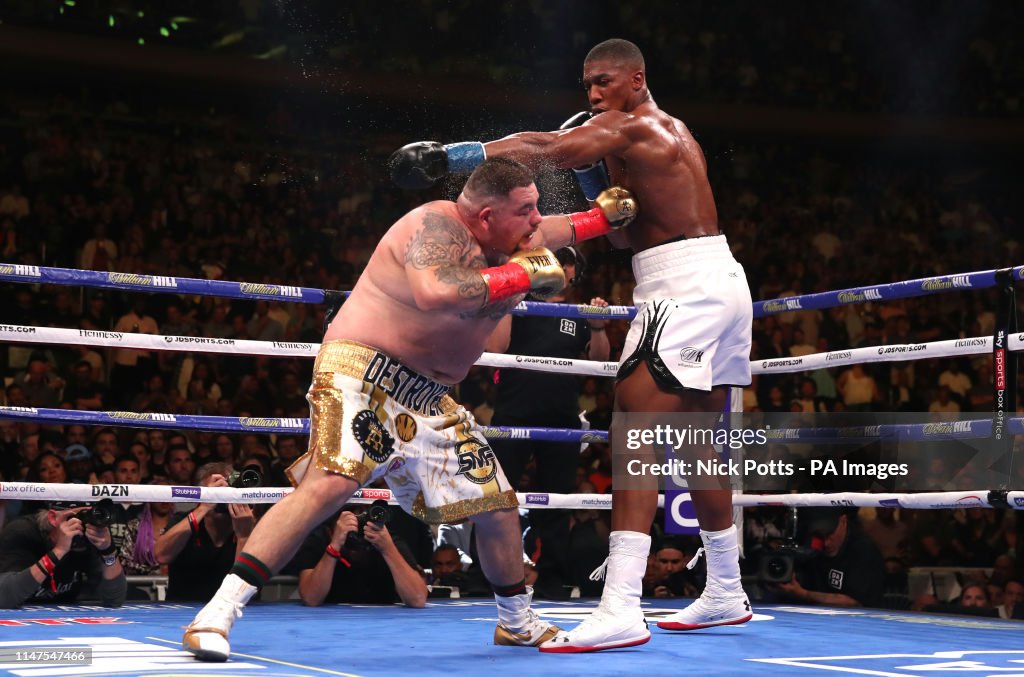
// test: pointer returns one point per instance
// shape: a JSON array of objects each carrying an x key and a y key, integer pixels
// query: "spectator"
[
  {"x": 1013, "y": 600},
  {"x": 857, "y": 389},
  {"x": 943, "y": 403},
  {"x": 46, "y": 556},
  {"x": 132, "y": 367},
  {"x": 848, "y": 570},
  {"x": 81, "y": 468},
  {"x": 675, "y": 579},
  {"x": 200, "y": 546},
  {"x": 337, "y": 563},
  {"x": 446, "y": 567},
  {"x": 181, "y": 466},
  {"x": 41, "y": 387},
  {"x": 84, "y": 392}
]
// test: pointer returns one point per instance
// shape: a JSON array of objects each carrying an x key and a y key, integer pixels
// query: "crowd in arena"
[{"x": 97, "y": 182}]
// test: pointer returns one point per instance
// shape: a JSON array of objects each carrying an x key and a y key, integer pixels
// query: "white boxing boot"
[
  {"x": 618, "y": 621},
  {"x": 723, "y": 601},
  {"x": 207, "y": 636},
  {"x": 518, "y": 625}
]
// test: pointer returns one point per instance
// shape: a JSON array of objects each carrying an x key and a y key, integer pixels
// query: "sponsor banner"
[
  {"x": 141, "y": 281},
  {"x": 13, "y": 489},
  {"x": 537, "y": 499},
  {"x": 680, "y": 516},
  {"x": 186, "y": 492},
  {"x": 270, "y": 290},
  {"x": 20, "y": 271},
  {"x": 375, "y": 494}
]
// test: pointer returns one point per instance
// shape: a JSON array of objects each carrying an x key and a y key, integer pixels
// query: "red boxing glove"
[
  {"x": 616, "y": 208},
  {"x": 589, "y": 224},
  {"x": 504, "y": 282},
  {"x": 536, "y": 271}
]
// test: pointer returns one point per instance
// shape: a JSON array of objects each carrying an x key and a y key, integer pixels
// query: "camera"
[
  {"x": 100, "y": 514},
  {"x": 248, "y": 477},
  {"x": 379, "y": 513},
  {"x": 777, "y": 563}
]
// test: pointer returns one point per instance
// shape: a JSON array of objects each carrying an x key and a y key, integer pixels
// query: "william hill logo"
[
  {"x": 262, "y": 423},
  {"x": 951, "y": 282},
  {"x": 269, "y": 290},
  {"x": 20, "y": 271},
  {"x": 131, "y": 279},
  {"x": 859, "y": 296},
  {"x": 782, "y": 305},
  {"x": 137, "y": 416},
  {"x": 947, "y": 428}
]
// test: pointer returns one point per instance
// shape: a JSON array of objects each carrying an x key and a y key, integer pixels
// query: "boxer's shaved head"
[{"x": 617, "y": 51}]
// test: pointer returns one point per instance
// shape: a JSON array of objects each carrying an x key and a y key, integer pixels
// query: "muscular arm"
[
  {"x": 604, "y": 135},
  {"x": 443, "y": 266}
]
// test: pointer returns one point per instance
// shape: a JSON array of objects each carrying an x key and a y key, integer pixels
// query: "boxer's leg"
[
  {"x": 500, "y": 547},
  {"x": 273, "y": 543}
]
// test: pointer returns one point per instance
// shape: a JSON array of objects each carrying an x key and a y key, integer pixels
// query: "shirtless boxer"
[
  {"x": 433, "y": 291},
  {"x": 691, "y": 337}
]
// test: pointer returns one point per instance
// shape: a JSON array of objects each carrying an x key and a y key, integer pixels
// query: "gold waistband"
[{"x": 407, "y": 387}]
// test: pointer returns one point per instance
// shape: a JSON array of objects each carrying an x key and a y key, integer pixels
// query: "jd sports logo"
[{"x": 568, "y": 327}]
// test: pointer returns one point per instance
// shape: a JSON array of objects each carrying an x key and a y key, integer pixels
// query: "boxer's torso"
[
  {"x": 382, "y": 313},
  {"x": 666, "y": 170}
]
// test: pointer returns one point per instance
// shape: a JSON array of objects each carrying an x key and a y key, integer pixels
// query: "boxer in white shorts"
[
  {"x": 694, "y": 316},
  {"x": 627, "y": 138}
]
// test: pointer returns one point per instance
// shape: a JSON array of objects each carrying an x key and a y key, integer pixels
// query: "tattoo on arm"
[{"x": 446, "y": 246}]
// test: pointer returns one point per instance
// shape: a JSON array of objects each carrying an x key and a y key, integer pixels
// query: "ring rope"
[
  {"x": 835, "y": 358},
  {"x": 249, "y": 290},
  {"x": 150, "y": 493},
  {"x": 941, "y": 431}
]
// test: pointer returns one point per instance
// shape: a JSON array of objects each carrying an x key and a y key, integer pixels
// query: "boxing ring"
[{"x": 454, "y": 636}]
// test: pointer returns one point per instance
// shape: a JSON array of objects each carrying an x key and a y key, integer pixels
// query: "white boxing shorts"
[
  {"x": 373, "y": 417},
  {"x": 694, "y": 316}
]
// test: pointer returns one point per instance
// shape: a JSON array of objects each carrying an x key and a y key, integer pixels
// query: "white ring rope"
[
  {"x": 111, "y": 339},
  {"x": 150, "y": 493}
]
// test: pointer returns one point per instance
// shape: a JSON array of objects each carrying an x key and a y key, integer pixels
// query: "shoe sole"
[
  {"x": 207, "y": 656},
  {"x": 604, "y": 647},
  {"x": 669, "y": 625}
]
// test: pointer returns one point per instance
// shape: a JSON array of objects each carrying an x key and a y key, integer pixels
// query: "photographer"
[
  {"x": 356, "y": 560},
  {"x": 45, "y": 556},
  {"x": 847, "y": 570},
  {"x": 200, "y": 546}
]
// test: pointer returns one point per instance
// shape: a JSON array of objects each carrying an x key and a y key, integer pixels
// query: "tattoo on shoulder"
[{"x": 444, "y": 244}]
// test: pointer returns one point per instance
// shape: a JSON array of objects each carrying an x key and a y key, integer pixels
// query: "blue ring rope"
[{"x": 250, "y": 290}]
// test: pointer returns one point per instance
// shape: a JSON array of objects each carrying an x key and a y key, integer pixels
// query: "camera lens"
[{"x": 776, "y": 567}]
